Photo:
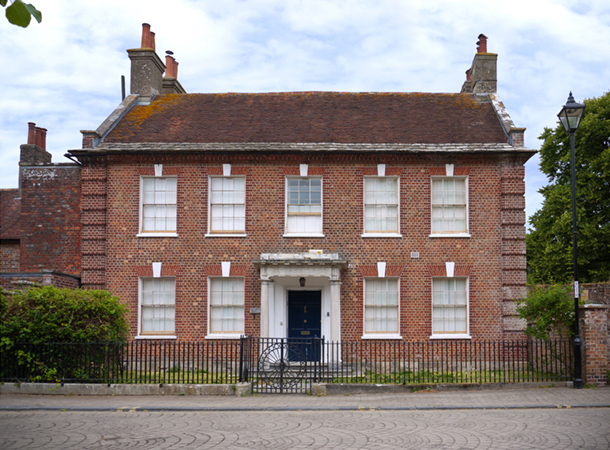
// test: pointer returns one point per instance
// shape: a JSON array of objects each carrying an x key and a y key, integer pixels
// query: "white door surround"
[{"x": 283, "y": 272}]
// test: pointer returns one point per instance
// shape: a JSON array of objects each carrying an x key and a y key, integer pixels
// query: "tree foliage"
[
  {"x": 50, "y": 314},
  {"x": 548, "y": 310},
  {"x": 20, "y": 13},
  {"x": 549, "y": 243}
]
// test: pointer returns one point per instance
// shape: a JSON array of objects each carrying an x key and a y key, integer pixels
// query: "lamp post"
[{"x": 570, "y": 116}]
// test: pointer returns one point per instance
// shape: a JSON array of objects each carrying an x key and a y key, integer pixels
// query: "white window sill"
[
  {"x": 381, "y": 235},
  {"x": 450, "y": 235},
  {"x": 318, "y": 235},
  {"x": 157, "y": 235},
  {"x": 162, "y": 336},
  {"x": 221, "y": 235},
  {"x": 381, "y": 336},
  {"x": 450, "y": 336},
  {"x": 224, "y": 336}
]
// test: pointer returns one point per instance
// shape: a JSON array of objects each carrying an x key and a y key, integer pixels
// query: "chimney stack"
[
  {"x": 481, "y": 78},
  {"x": 34, "y": 152},
  {"x": 171, "y": 85},
  {"x": 146, "y": 67}
]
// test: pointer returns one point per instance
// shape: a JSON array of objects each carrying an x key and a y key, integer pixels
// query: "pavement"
[
  {"x": 551, "y": 418},
  {"x": 526, "y": 398}
]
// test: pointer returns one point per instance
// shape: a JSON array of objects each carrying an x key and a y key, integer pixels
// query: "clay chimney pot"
[
  {"x": 39, "y": 137},
  {"x": 31, "y": 133},
  {"x": 43, "y": 138},
  {"x": 482, "y": 44},
  {"x": 146, "y": 36}
]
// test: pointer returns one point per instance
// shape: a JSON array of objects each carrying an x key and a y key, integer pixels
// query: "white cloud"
[{"x": 64, "y": 74}]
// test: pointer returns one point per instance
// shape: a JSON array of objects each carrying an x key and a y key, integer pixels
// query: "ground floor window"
[
  {"x": 381, "y": 306},
  {"x": 157, "y": 305},
  {"x": 450, "y": 306},
  {"x": 226, "y": 305}
]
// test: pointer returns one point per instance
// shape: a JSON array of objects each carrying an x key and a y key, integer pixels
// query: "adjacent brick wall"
[
  {"x": 594, "y": 335},
  {"x": 111, "y": 215},
  {"x": 9, "y": 256},
  {"x": 42, "y": 278},
  {"x": 598, "y": 293},
  {"x": 50, "y": 218}
]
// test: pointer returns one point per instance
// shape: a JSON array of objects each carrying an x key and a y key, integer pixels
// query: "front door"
[{"x": 304, "y": 322}]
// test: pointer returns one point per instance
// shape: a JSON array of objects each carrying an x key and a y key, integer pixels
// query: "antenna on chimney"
[{"x": 123, "y": 87}]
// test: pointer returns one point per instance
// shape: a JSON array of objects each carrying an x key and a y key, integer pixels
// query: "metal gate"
[{"x": 282, "y": 365}]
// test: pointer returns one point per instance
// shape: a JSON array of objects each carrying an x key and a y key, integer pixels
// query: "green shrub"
[
  {"x": 50, "y": 314},
  {"x": 53, "y": 334},
  {"x": 548, "y": 309}
]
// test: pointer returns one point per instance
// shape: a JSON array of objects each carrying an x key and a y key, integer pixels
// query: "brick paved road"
[{"x": 583, "y": 428}]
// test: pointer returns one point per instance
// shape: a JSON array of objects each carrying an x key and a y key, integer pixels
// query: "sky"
[{"x": 64, "y": 73}]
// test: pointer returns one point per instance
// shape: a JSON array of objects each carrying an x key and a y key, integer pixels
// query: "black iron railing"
[
  {"x": 288, "y": 365},
  {"x": 136, "y": 362}
]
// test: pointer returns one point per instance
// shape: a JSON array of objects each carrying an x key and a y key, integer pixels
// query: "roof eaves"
[{"x": 121, "y": 148}]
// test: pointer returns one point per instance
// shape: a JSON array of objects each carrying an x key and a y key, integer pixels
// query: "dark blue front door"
[{"x": 304, "y": 322}]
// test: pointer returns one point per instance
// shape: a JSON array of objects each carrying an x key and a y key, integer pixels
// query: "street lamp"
[{"x": 570, "y": 116}]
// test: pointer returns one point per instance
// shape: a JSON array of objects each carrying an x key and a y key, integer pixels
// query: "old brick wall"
[
  {"x": 42, "y": 278},
  {"x": 493, "y": 255},
  {"x": 50, "y": 218},
  {"x": 9, "y": 256},
  {"x": 594, "y": 326},
  {"x": 599, "y": 293}
]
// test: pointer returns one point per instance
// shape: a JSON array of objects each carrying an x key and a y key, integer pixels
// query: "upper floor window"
[
  {"x": 157, "y": 306},
  {"x": 158, "y": 205},
  {"x": 450, "y": 307},
  {"x": 226, "y": 306},
  {"x": 381, "y": 307},
  {"x": 227, "y": 205},
  {"x": 381, "y": 205},
  {"x": 449, "y": 205},
  {"x": 304, "y": 206}
]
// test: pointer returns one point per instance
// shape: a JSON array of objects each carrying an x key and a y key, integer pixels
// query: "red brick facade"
[{"x": 114, "y": 258}]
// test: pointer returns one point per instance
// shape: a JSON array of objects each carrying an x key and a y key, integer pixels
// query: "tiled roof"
[
  {"x": 309, "y": 117},
  {"x": 10, "y": 210}
]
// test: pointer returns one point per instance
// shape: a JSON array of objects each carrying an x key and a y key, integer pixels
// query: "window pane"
[
  {"x": 381, "y": 205},
  {"x": 449, "y": 305},
  {"x": 449, "y": 205},
  {"x": 227, "y": 209},
  {"x": 227, "y": 305},
  {"x": 158, "y": 298},
  {"x": 304, "y": 205},
  {"x": 159, "y": 204},
  {"x": 381, "y": 305}
]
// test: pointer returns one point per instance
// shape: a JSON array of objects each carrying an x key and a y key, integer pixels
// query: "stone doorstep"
[{"x": 245, "y": 389}]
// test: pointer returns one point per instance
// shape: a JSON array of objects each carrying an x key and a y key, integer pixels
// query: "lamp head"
[{"x": 571, "y": 114}]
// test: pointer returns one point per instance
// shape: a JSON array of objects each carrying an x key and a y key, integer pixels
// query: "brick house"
[
  {"x": 40, "y": 221},
  {"x": 345, "y": 215}
]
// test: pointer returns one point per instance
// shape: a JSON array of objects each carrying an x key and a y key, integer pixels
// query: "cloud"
[{"x": 64, "y": 74}]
